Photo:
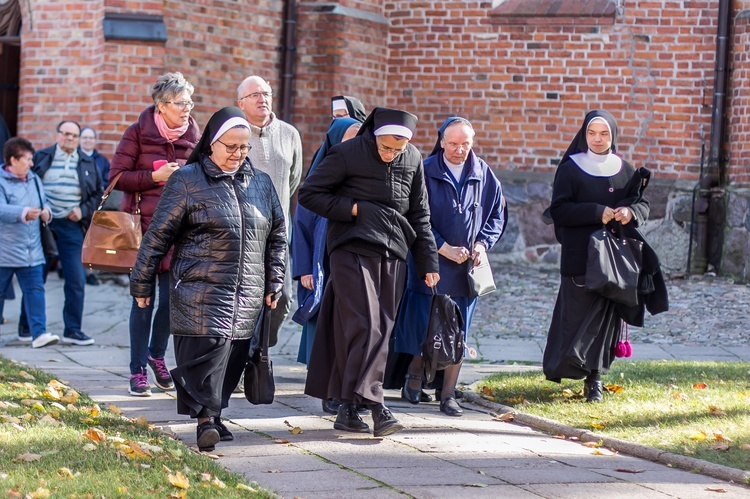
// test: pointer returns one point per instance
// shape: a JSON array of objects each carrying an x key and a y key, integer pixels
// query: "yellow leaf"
[
  {"x": 141, "y": 421},
  {"x": 41, "y": 493},
  {"x": 719, "y": 436},
  {"x": 114, "y": 408},
  {"x": 590, "y": 444},
  {"x": 700, "y": 436},
  {"x": 218, "y": 483},
  {"x": 28, "y": 457},
  {"x": 179, "y": 494},
  {"x": 612, "y": 388},
  {"x": 679, "y": 395},
  {"x": 296, "y": 430},
  {"x": 568, "y": 393},
  {"x": 71, "y": 397},
  {"x": 25, "y": 375},
  {"x": 95, "y": 435},
  {"x": 138, "y": 451},
  {"x": 122, "y": 490},
  {"x": 51, "y": 393},
  {"x": 64, "y": 473},
  {"x": 242, "y": 486},
  {"x": 179, "y": 480},
  {"x": 57, "y": 385},
  {"x": 603, "y": 452},
  {"x": 700, "y": 386},
  {"x": 38, "y": 407},
  {"x": 95, "y": 411},
  {"x": 598, "y": 426}
]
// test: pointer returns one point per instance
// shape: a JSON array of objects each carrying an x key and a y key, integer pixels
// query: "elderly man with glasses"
[
  {"x": 73, "y": 186},
  {"x": 277, "y": 151}
]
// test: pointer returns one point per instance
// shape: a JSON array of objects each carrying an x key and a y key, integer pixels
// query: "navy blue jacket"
[{"x": 451, "y": 215}]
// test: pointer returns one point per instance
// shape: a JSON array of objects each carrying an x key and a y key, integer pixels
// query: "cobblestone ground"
[{"x": 704, "y": 310}]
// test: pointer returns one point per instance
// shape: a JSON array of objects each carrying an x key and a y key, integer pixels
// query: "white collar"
[{"x": 597, "y": 165}]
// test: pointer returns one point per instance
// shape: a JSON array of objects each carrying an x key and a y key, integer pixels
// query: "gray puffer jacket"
[{"x": 229, "y": 240}]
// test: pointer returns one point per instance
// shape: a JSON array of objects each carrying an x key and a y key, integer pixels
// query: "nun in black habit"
[
  {"x": 594, "y": 186},
  {"x": 372, "y": 191}
]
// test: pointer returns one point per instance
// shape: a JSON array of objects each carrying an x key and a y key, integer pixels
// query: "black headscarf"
[
  {"x": 214, "y": 125},
  {"x": 579, "y": 143},
  {"x": 381, "y": 116},
  {"x": 441, "y": 131},
  {"x": 354, "y": 106}
]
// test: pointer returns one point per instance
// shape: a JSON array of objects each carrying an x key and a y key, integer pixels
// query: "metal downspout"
[
  {"x": 714, "y": 182},
  {"x": 287, "y": 49}
]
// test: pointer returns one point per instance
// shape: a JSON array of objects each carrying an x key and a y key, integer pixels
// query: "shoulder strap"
[
  {"x": 109, "y": 190},
  {"x": 38, "y": 192}
]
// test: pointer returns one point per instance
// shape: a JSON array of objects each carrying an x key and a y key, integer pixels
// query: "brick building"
[{"x": 524, "y": 72}]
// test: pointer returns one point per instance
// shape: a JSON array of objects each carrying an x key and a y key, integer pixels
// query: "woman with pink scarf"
[{"x": 149, "y": 152}]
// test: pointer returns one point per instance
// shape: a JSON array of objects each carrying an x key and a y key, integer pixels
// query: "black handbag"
[
  {"x": 614, "y": 265},
  {"x": 443, "y": 345},
  {"x": 259, "y": 384},
  {"x": 49, "y": 243}
]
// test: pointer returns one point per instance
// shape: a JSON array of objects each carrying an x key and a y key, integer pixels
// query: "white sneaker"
[
  {"x": 44, "y": 339},
  {"x": 24, "y": 339}
]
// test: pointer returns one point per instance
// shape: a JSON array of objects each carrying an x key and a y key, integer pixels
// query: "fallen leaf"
[
  {"x": 51, "y": 393},
  {"x": 242, "y": 486},
  {"x": 114, "y": 408},
  {"x": 590, "y": 444},
  {"x": 95, "y": 435},
  {"x": 745, "y": 446},
  {"x": 700, "y": 386},
  {"x": 598, "y": 426},
  {"x": 700, "y": 436},
  {"x": 486, "y": 390},
  {"x": 679, "y": 395},
  {"x": 218, "y": 483},
  {"x": 712, "y": 489},
  {"x": 612, "y": 388},
  {"x": 281, "y": 441},
  {"x": 14, "y": 494},
  {"x": 505, "y": 417},
  {"x": 568, "y": 393},
  {"x": 296, "y": 430},
  {"x": 40, "y": 493},
  {"x": 721, "y": 447},
  {"x": 28, "y": 457},
  {"x": 141, "y": 421},
  {"x": 624, "y": 470},
  {"x": 57, "y": 385},
  {"x": 603, "y": 452},
  {"x": 122, "y": 490},
  {"x": 65, "y": 473},
  {"x": 205, "y": 477},
  {"x": 179, "y": 480},
  {"x": 178, "y": 494},
  {"x": 95, "y": 411},
  {"x": 71, "y": 397},
  {"x": 272, "y": 471},
  {"x": 25, "y": 375},
  {"x": 719, "y": 436},
  {"x": 478, "y": 485},
  {"x": 89, "y": 447},
  {"x": 716, "y": 411}
]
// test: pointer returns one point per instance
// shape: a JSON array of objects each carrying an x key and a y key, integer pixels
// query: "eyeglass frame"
[
  {"x": 237, "y": 148},
  {"x": 182, "y": 104},
  {"x": 389, "y": 150},
  {"x": 69, "y": 135},
  {"x": 256, "y": 95}
]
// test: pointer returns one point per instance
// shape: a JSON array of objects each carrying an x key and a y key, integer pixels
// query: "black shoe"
[
  {"x": 362, "y": 409},
  {"x": 384, "y": 422},
  {"x": 592, "y": 390},
  {"x": 411, "y": 396},
  {"x": 348, "y": 420},
  {"x": 224, "y": 434},
  {"x": 331, "y": 406},
  {"x": 450, "y": 407},
  {"x": 438, "y": 393},
  {"x": 207, "y": 436},
  {"x": 78, "y": 338},
  {"x": 425, "y": 397},
  {"x": 92, "y": 280}
]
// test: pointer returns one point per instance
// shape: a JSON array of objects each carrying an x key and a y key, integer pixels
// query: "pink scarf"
[{"x": 171, "y": 134}]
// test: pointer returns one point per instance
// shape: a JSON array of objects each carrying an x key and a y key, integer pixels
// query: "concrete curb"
[{"x": 674, "y": 460}]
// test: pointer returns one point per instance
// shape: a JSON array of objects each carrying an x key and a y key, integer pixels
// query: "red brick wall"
[{"x": 739, "y": 101}]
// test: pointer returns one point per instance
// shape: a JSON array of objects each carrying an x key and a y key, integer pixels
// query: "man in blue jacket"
[{"x": 73, "y": 186}]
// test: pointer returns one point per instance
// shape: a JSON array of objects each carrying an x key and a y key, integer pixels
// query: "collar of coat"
[{"x": 434, "y": 167}]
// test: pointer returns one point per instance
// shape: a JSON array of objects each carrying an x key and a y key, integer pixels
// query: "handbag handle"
[
  {"x": 265, "y": 332},
  {"x": 38, "y": 192},
  {"x": 109, "y": 190}
]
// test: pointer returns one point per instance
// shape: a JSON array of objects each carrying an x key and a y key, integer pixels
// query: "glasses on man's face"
[
  {"x": 243, "y": 149},
  {"x": 389, "y": 150},
  {"x": 68, "y": 135},
  {"x": 182, "y": 104},
  {"x": 258, "y": 95}
]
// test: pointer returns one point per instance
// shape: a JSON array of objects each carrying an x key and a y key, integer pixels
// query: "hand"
[
  {"x": 33, "y": 214},
  {"x": 354, "y": 210},
  {"x": 456, "y": 254},
  {"x": 166, "y": 171},
  {"x": 306, "y": 281},
  {"x": 623, "y": 215},
  {"x": 46, "y": 216},
  {"x": 480, "y": 254},
  {"x": 608, "y": 215},
  {"x": 142, "y": 302},
  {"x": 431, "y": 279},
  {"x": 270, "y": 301},
  {"x": 75, "y": 214}
]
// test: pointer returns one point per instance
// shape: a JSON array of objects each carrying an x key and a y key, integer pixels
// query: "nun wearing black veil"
[
  {"x": 225, "y": 222},
  {"x": 594, "y": 187},
  {"x": 372, "y": 191}
]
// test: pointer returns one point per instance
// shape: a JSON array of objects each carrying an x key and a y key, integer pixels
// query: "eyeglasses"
[
  {"x": 233, "y": 149},
  {"x": 68, "y": 135},
  {"x": 88, "y": 138},
  {"x": 388, "y": 150},
  {"x": 258, "y": 95},
  {"x": 182, "y": 104}
]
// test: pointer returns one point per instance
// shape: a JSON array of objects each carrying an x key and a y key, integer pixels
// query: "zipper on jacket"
[
  {"x": 177, "y": 283},
  {"x": 242, "y": 255}
]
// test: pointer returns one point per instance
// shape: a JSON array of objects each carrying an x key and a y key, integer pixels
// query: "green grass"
[
  {"x": 662, "y": 404},
  {"x": 54, "y": 448}
]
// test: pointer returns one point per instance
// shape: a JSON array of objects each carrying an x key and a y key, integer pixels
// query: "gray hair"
[
  {"x": 257, "y": 79},
  {"x": 170, "y": 85}
]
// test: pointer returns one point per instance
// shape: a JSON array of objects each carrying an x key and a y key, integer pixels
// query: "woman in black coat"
[
  {"x": 226, "y": 224},
  {"x": 593, "y": 187}
]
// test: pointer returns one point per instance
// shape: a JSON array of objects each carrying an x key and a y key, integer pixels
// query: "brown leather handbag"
[{"x": 113, "y": 238}]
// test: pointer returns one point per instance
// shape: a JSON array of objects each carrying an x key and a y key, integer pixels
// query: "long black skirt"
[
  {"x": 582, "y": 336},
  {"x": 208, "y": 369},
  {"x": 355, "y": 323}
]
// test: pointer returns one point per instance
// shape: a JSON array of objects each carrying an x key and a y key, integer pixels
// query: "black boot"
[
  {"x": 592, "y": 390},
  {"x": 384, "y": 422},
  {"x": 224, "y": 432},
  {"x": 331, "y": 406},
  {"x": 348, "y": 419},
  {"x": 207, "y": 436}
]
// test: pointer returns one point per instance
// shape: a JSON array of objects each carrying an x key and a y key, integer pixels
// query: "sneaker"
[
  {"x": 25, "y": 338},
  {"x": 78, "y": 338},
  {"x": 44, "y": 339},
  {"x": 139, "y": 386},
  {"x": 162, "y": 378},
  {"x": 224, "y": 433},
  {"x": 92, "y": 280}
]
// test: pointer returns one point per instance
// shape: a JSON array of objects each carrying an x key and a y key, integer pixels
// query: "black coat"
[
  {"x": 393, "y": 214},
  {"x": 89, "y": 179},
  {"x": 230, "y": 245}
]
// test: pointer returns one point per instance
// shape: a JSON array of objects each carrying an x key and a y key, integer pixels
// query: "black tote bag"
[
  {"x": 614, "y": 266},
  {"x": 259, "y": 385},
  {"x": 443, "y": 345}
]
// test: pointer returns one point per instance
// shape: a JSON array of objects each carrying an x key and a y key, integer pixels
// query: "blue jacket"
[
  {"x": 20, "y": 242},
  {"x": 88, "y": 177},
  {"x": 451, "y": 215}
]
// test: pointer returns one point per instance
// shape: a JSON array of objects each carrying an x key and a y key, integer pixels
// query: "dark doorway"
[{"x": 10, "y": 63}]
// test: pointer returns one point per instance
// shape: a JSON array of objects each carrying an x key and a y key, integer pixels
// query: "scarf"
[{"x": 171, "y": 134}]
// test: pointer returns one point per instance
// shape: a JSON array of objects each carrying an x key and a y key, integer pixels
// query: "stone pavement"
[{"x": 435, "y": 456}]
